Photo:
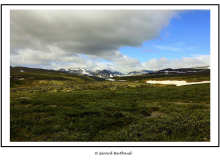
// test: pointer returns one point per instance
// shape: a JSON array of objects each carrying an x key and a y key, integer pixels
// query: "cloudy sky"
[{"x": 122, "y": 40}]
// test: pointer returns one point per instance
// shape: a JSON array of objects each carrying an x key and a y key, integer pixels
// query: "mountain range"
[
  {"x": 110, "y": 74},
  {"x": 102, "y": 73},
  {"x": 107, "y": 73}
]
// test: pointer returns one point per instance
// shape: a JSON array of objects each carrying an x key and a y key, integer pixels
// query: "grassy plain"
[{"x": 54, "y": 106}]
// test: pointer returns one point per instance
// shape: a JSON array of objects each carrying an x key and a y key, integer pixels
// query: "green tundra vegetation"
[{"x": 48, "y": 105}]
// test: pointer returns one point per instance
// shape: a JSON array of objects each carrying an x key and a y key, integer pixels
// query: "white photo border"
[{"x": 214, "y": 50}]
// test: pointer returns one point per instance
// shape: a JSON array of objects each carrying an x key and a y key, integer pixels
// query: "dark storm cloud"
[
  {"x": 54, "y": 37},
  {"x": 83, "y": 31}
]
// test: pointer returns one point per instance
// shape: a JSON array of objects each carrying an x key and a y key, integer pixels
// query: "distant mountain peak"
[
  {"x": 102, "y": 73},
  {"x": 109, "y": 74}
]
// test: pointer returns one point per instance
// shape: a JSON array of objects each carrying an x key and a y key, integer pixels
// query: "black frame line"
[
  {"x": 113, "y": 4},
  {"x": 110, "y": 5}
]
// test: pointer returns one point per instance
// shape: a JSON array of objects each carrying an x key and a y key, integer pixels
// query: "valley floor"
[
  {"x": 111, "y": 113},
  {"x": 52, "y": 106}
]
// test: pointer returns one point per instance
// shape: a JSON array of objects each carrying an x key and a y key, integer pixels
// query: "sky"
[{"x": 117, "y": 40}]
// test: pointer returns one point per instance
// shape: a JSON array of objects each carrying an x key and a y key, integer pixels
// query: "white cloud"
[
  {"x": 166, "y": 48},
  {"x": 176, "y": 49},
  {"x": 56, "y": 39},
  {"x": 180, "y": 43},
  {"x": 192, "y": 48},
  {"x": 44, "y": 37},
  {"x": 185, "y": 62},
  {"x": 120, "y": 63}
]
